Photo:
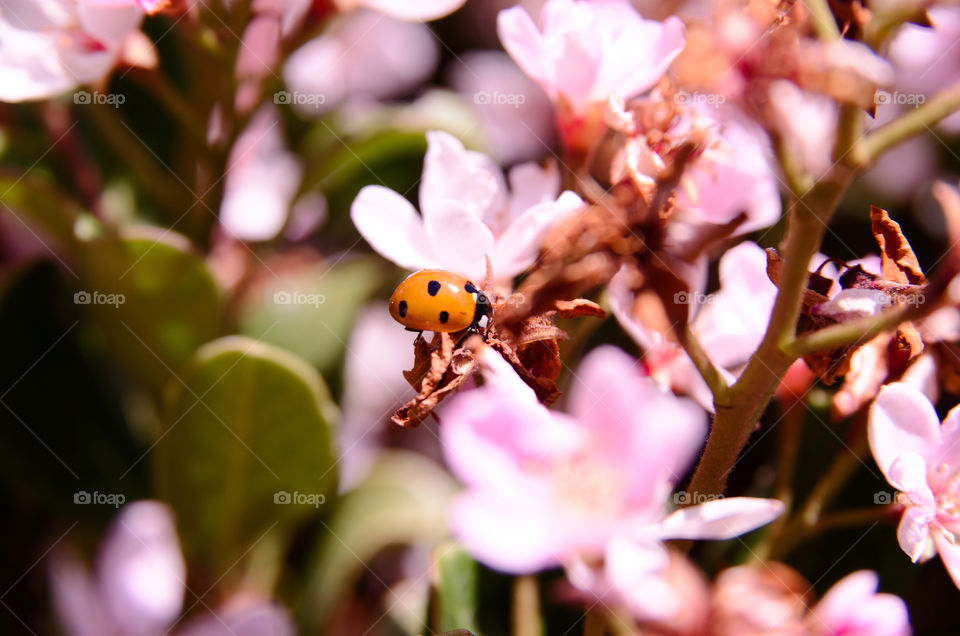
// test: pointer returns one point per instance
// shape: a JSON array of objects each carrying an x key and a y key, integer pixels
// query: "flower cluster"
[{"x": 675, "y": 272}]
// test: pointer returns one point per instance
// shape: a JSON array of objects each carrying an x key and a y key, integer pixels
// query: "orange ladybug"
[{"x": 438, "y": 300}]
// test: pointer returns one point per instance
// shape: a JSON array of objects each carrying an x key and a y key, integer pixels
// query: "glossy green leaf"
[
  {"x": 456, "y": 586},
  {"x": 247, "y": 447},
  {"x": 311, "y": 311},
  {"x": 36, "y": 203},
  {"x": 150, "y": 300}
]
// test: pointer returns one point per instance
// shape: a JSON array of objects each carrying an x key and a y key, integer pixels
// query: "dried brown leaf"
[{"x": 899, "y": 263}]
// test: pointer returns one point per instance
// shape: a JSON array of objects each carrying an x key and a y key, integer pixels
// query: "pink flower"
[
  {"x": 772, "y": 599},
  {"x": 853, "y": 607},
  {"x": 927, "y": 59},
  {"x": 807, "y": 123},
  {"x": 139, "y": 585},
  {"x": 587, "y": 52},
  {"x": 921, "y": 458},
  {"x": 517, "y": 115},
  {"x": 734, "y": 174},
  {"x": 48, "y": 47},
  {"x": 546, "y": 489},
  {"x": 262, "y": 180},
  {"x": 361, "y": 56},
  {"x": 729, "y": 323},
  {"x": 467, "y": 214},
  {"x": 150, "y": 7}
]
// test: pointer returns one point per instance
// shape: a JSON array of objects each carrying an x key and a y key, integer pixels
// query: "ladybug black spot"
[
  {"x": 470, "y": 288},
  {"x": 402, "y": 308},
  {"x": 444, "y": 317},
  {"x": 433, "y": 287}
]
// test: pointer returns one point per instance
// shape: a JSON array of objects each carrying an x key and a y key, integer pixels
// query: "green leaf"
[
  {"x": 247, "y": 446},
  {"x": 456, "y": 586},
  {"x": 37, "y": 203},
  {"x": 402, "y": 501},
  {"x": 150, "y": 299},
  {"x": 312, "y": 310}
]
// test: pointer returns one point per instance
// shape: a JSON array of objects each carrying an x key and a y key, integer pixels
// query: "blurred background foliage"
[{"x": 166, "y": 395}]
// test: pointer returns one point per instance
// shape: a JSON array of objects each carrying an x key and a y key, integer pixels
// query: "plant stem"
[
  {"x": 736, "y": 419},
  {"x": 592, "y": 624},
  {"x": 823, "y": 19},
  {"x": 916, "y": 121},
  {"x": 621, "y": 623},
  {"x": 711, "y": 375},
  {"x": 791, "y": 433},
  {"x": 859, "y": 330},
  {"x": 526, "y": 607},
  {"x": 844, "y": 465},
  {"x": 150, "y": 173},
  {"x": 175, "y": 102}
]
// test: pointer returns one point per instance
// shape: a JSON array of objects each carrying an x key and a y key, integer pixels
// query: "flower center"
[{"x": 588, "y": 486}]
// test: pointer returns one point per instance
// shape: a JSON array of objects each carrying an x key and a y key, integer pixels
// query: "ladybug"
[{"x": 438, "y": 300}]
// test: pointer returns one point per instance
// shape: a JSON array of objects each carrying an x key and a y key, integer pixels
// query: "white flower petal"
[
  {"x": 392, "y": 227},
  {"x": 721, "y": 518},
  {"x": 902, "y": 420}
]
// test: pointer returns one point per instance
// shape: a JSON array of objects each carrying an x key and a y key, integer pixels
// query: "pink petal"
[
  {"x": 735, "y": 175},
  {"x": 908, "y": 473},
  {"x": 807, "y": 123},
  {"x": 947, "y": 459},
  {"x": 922, "y": 375},
  {"x": 913, "y": 533},
  {"x": 392, "y": 227},
  {"x": 411, "y": 10},
  {"x": 453, "y": 173},
  {"x": 627, "y": 560},
  {"x": 902, "y": 420},
  {"x": 623, "y": 411},
  {"x": 721, "y": 518},
  {"x": 141, "y": 570},
  {"x": 575, "y": 57},
  {"x": 732, "y": 324},
  {"x": 522, "y": 40},
  {"x": 950, "y": 555},
  {"x": 518, "y": 247},
  {"x": 242, "y": 617},
  {"x": 657, "y": 44},
  {"x": 853, "y": 608},
  {"x": 75, "y": 598},
  {"x": 530, "y": 184},
  {"x": 459, "y": 239},
  {"x": 507, "y": 531},
  {"x": 491, "y": 436},
  {"x": 637, "y": 573}
]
